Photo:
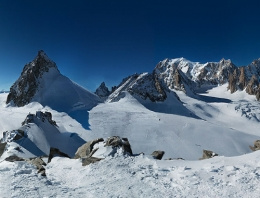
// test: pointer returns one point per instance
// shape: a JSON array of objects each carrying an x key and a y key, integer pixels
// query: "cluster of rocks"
[
  {"x": 43, "y": 116},
  {"x": 88, "y": 153}
]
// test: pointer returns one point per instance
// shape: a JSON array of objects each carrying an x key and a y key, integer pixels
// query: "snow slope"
[{"x": 140, "y": 176}]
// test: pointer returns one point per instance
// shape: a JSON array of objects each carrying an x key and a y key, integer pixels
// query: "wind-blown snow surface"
[
  {"x": 140, "y": 176},
  {"x": 217, "y": 120}
]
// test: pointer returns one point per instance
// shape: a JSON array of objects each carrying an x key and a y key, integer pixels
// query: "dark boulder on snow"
[
  {"x": 157, "y": 154},
  {"x": 87, "y": 149},
  {"x": 14, "y": 158},
  {"x": 256, "y": 146},
  {"x": 54, "y": 152},
  {"x": 208, "y": 154},
  {"x": 2, "y": 148}
]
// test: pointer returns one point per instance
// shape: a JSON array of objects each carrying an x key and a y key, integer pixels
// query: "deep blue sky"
[{"x": 95, "y": 41}]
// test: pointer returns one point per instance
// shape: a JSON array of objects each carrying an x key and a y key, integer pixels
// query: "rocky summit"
[{"x": 24, "y": 89}]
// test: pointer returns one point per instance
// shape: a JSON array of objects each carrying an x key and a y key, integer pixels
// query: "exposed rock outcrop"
[
  {"x": 43, "y": 116},
  {"x": 158, "y": 154},
  {"x": 87, "y": 149},
  {"x": 39, "y": 164},
  {"x": 15, "y": 135},
  {"x": 96, "y": 150},
  {"x": 14, "y": 158},
  {"x": 2, "y": 148},
  {"x": 208, "y": 154},
  {"x": 256, "y": 146},
  {"x": 54, "y": 152}
]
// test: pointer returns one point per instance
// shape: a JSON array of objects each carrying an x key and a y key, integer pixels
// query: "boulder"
[
  {"x": 54, "y": 152},
  {"x": 116, "y": 141},
  {"x": 91, "y": 153},
  {"x": 256, "y": 146},
  {"x": 2, "y": 148},
  {"x": 208, "y": 154},
  {"x": 87, "y": 149},
  {"x": 157, "y": 154}
]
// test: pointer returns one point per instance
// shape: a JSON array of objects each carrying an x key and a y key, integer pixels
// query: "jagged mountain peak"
[
  {"x": 41, "y": 81},
  {"x": 102, "y": 91}
]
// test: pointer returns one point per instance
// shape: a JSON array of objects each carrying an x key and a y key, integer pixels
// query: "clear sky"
[{"x": 107, "y": 40}]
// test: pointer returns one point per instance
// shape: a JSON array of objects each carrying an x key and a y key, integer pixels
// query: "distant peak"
[
  {"x": 42, "y": 55},
  {"x": 225, "y": 61}
]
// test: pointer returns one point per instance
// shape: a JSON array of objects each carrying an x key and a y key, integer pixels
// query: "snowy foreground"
[
  {"x": 226, "y": 126},
  {"x": 139, "y": 176}
]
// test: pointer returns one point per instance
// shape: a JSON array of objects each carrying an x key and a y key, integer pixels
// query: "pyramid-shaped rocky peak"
[
  {"x": 102, "y": 91},
  {"x": 23, "y": 90},
  {"x": 41, "y": 82}
]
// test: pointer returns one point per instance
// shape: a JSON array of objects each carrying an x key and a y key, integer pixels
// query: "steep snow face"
[{"x": 42, "y": 82}]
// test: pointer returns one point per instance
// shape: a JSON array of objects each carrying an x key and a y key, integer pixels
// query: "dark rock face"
[
  {"x": 158, "y": 154},
  {"x": 102, "y": 91},
  {"x": 54, "y": 152},
  {"x": 208, "y": 154},
  {"x": 2, "y": 148},
  {"x": 256, "y": 146},
  {"x": 24, "y": 89},
  {"x": 253, "y": 86}
]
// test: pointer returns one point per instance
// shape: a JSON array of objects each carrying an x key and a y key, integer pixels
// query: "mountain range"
[{"x": 181, "y": 109}]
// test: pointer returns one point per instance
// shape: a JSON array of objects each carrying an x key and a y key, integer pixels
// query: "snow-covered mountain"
[
  {"x": 190, "y": 77},
  {"x": 41, "y": 81},
  {"x": 185, "y": 109}
]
